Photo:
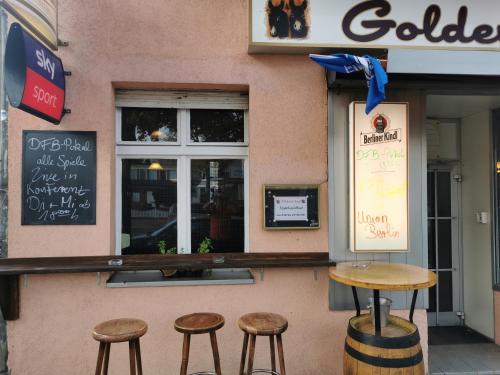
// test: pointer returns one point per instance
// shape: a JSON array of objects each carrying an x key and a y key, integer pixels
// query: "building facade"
[{"x": 176, "y": 83}]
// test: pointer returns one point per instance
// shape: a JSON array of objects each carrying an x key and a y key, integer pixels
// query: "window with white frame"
[{"x": 181, "y": 172}]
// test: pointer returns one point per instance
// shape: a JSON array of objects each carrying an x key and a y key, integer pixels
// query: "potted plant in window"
[
  {"x": 162, "y": 249},
  {"x": 205, "y": 247}
]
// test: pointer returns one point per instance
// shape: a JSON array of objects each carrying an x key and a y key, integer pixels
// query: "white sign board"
[
  {"x": 426, "y": 24},
  {"x": 38, "y": 16},
  {"x": 378, "y": 164},
  {"x": 290, "y": 209}
]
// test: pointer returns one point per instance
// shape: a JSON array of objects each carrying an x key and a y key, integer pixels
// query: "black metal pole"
[
  {"x": 376, "y": 307},
  {"x": 413, "y": 302},
  {"x": 356, "y": 300}
]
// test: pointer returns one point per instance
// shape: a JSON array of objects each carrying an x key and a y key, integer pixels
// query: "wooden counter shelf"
[
  {"x": 22, "y": 266},
  {"x": 11, "y": 268}
]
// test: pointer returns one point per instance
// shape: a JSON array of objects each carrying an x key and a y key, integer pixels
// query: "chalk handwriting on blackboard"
[{"x": 59, "y": 177}]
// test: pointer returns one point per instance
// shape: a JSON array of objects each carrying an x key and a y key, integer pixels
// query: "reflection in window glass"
[
  {"x": 149, "y": 205},
  {"x": 217, "y": 125},
  {"x": 217, "y": 204},
  {"x": 149, "y": 124}
]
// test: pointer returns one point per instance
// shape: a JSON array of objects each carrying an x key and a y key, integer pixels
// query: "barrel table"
[{"x": 370, "y": 348}]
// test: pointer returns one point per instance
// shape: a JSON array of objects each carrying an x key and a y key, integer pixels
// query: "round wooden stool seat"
[
  {"x": 119, "y": 330},
  {"x": 263, "y": 324},
  {"x": 199, "y": 323},
  {"x": 194, "y": 324}
]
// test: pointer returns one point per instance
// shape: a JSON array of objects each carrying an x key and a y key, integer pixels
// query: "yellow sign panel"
[
  {"x": 378, "y": 157},
  {"x": 38, "y": 16}
]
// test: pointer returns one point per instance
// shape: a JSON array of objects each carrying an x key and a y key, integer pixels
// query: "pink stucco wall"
[{"x": 191, "y": 44}]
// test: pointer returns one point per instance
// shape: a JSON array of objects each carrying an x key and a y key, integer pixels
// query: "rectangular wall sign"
[
  {"x": 39, "y": 16},
  {"x": 58, "y": 177},
  {"x": 342, "y": 24},
  {"x": 378, "y": 165},
  {"x": 291, "y": 207}
]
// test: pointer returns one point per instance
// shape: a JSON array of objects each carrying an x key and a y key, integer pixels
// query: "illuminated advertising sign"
[
  {"x": 34, "y": 76},
  {"x": 378, "y": 158},
  {"x": 379, "y": 24}
]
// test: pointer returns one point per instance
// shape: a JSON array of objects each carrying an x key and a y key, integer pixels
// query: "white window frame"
[{"x": 183, "y": 150}]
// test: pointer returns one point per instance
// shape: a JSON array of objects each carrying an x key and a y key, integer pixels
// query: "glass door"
[{"x": 445, "y": 299}]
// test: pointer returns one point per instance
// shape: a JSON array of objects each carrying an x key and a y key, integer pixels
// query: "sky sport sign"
[
  {"x": 34, "y": 76},
  {"x": 380, "y": 24}
]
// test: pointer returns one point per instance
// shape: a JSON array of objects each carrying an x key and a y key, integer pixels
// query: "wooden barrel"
[{"x": 396, "y": 350}]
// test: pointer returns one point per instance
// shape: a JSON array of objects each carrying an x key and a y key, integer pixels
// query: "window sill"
[{"x": 154, "y": 278}]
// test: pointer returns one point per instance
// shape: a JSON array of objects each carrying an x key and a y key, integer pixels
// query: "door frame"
[{"x": 451, "y": 318}]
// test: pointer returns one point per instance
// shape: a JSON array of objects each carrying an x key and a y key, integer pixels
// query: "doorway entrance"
[
  {"x": 443, "y": 213},
  {"x": 459, "y": 210}
]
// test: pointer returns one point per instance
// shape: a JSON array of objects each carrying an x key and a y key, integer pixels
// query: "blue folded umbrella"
[{"x": 376, "y": 77}]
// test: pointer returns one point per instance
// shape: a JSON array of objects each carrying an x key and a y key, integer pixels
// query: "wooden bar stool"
[
  {"x": 198, "y": 323},
  {"x": 119, "y": 330},
  {"x": 262, "y": 324}
]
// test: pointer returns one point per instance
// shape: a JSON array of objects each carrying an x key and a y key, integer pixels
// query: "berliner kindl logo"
[
  {"x": 380, "y": 123},
  {"x": 379, "y": 131}
]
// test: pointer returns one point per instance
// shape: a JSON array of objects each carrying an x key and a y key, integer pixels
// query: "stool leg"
[
  {"x": 243, "y": 354},
  {"x": 280, "y": 355},
  {"x": 215, "y": 352},
  {"x": 138, "y": 356},
  {"x": 100, "y": 356},
  {"x": 106, "y": 358},
  {"x": 273, "y": 357},
  {"x": 131, "y": 348},
  {"x": 251, "y": 354},
  {"x": 185, "y": 354}
]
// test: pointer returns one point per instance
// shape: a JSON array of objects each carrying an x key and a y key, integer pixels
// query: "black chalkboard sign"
[
  {"x": 291, "y": 207},
  {"x": 58, "y": 177}
]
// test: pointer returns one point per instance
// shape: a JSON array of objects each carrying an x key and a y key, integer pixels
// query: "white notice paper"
[{"x": 290, "y": 208}]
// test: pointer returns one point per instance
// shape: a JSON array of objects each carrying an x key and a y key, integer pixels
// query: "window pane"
[
  {"x": 430, "y": 194},
  {"x": 149, "y": 124},
  {"x": 444, "y": 194},
  {"x": 217, "y": 205},
  {"x": 431, "y": 244},
  {"x": 149, "y": 205},
  {"x": 444, "y": 243},
  {"x": 216, "y": 125},
  {"x": 445, "y": 291},
  {"x": 432, "y": 299}
]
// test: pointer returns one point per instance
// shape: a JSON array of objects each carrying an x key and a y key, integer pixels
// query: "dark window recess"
[
  {"x": 217, "y": 125},
  {"x": 217, "y": 204},
  {"x": 149, "y": 124},
  {"x": 149, "y": 205}
]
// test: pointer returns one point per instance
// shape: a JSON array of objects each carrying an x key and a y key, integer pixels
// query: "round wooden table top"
[{"x": 382, "y": 275}]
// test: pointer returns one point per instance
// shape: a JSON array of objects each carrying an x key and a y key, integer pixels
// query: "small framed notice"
[{"x": 291, "y": 207}]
